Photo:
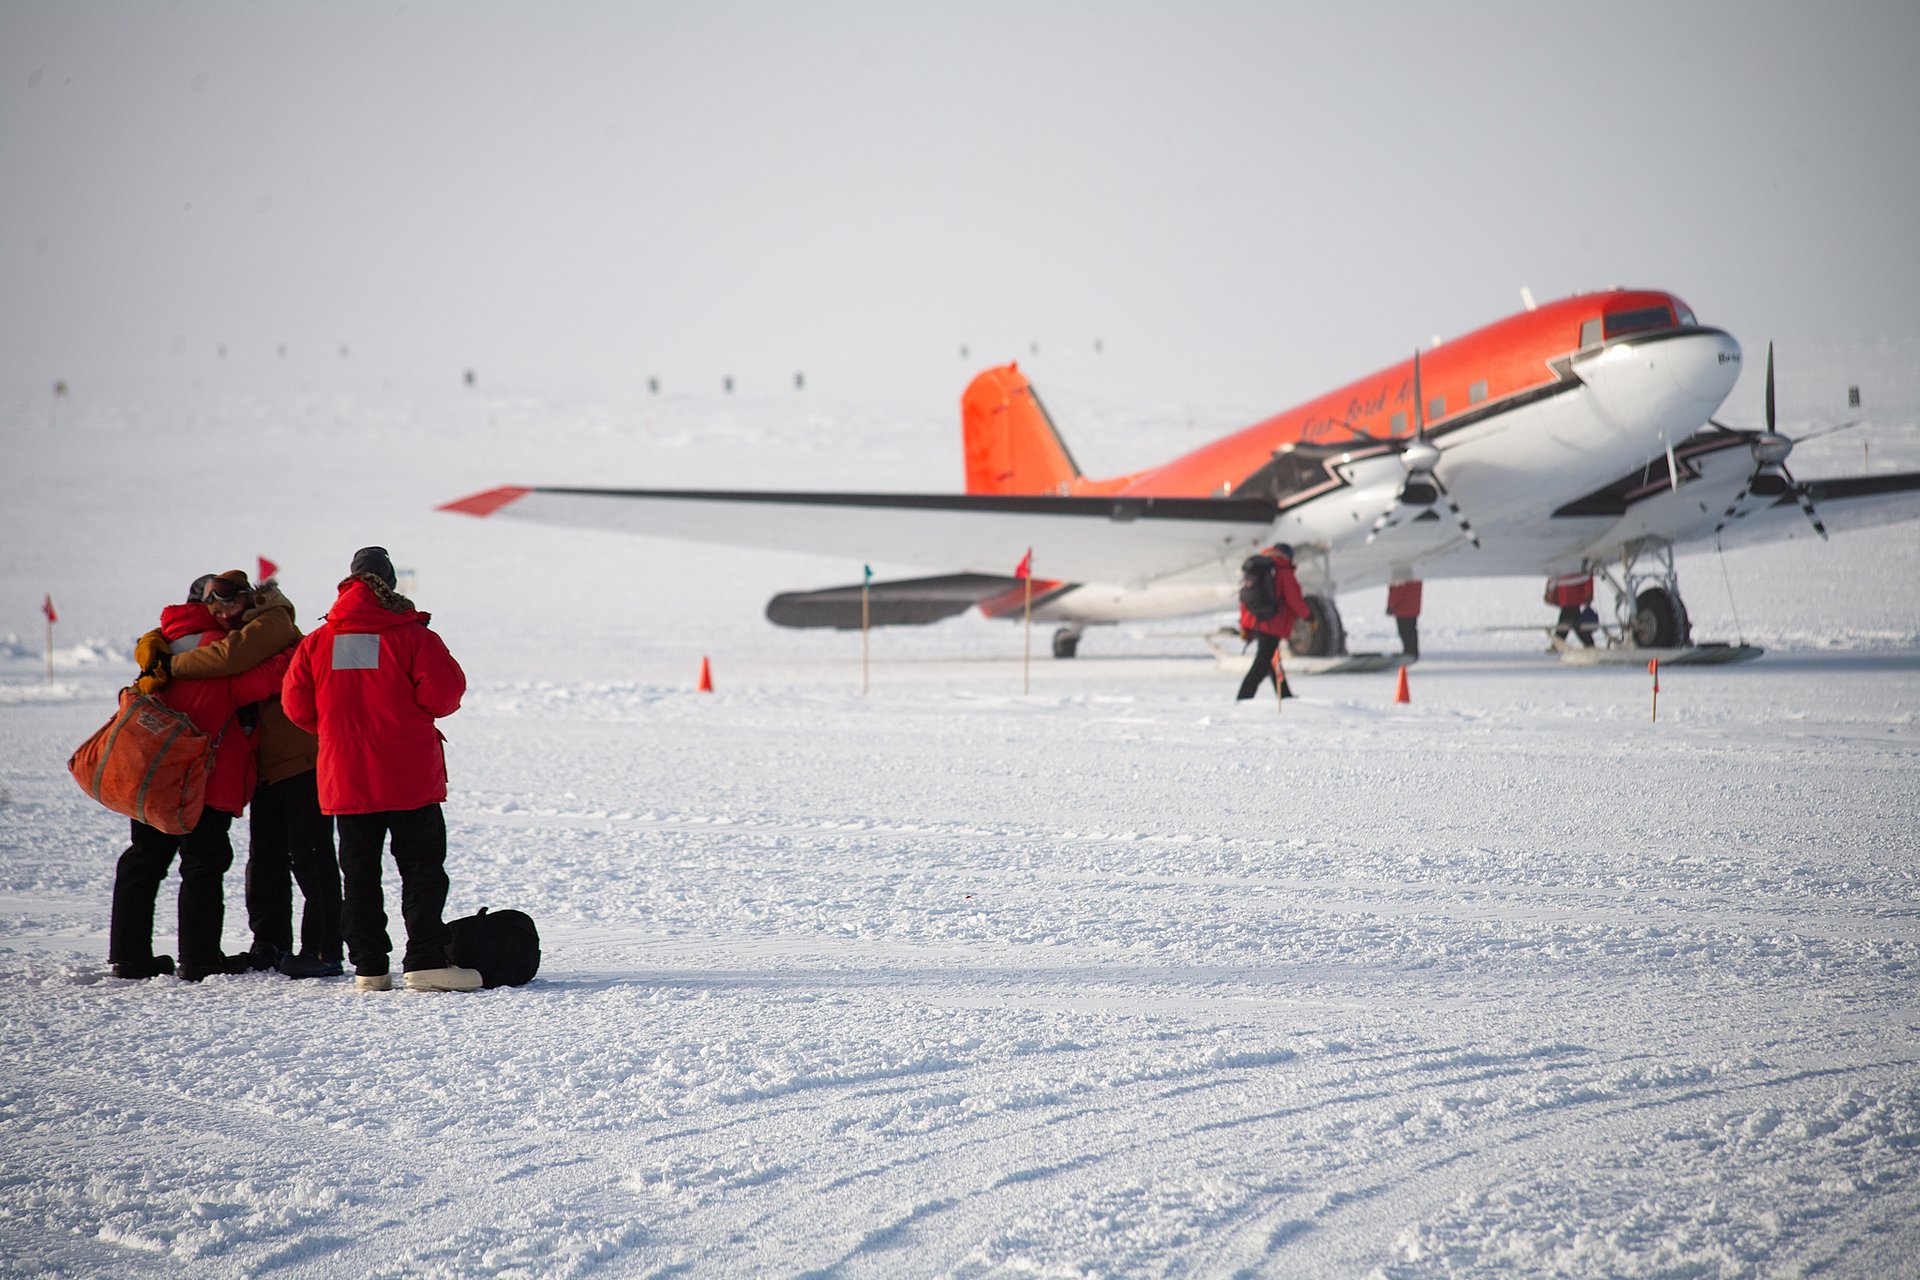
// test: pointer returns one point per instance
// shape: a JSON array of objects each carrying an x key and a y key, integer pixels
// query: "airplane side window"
[
  {"x": 1399, "y": 426},
  {"x": 1590, "y": 333},
  {"x": 1436, "y": 408},
  {"x": 1636, "y": 321},
  {"x": 1477, "y": 392}
]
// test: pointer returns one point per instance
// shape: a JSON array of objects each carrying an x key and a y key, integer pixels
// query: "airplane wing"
[
  {"x": 1843, "y": 503},
  {"x": 1125, "y": 541}
]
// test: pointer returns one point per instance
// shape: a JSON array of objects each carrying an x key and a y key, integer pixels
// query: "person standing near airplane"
[
  {"x": 1572, "y": 593},
  {"x": 371, "y": 680},
  {"x": 1270, "y": 607},
  {"x": 1403, "y": 606}
]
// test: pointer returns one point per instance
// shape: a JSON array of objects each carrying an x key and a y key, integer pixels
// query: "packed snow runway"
[{"x": 1115, "y": 978}]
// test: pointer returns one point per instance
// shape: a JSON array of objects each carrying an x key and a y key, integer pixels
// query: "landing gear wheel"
[
  {"x": 1660, "y": 620},
  {"x": 1066, "y": 642},
  {"x": 1326, "y": 640}
]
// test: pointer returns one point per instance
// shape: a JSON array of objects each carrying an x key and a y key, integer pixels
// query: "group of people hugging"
[{"x": 334, "y": 729}]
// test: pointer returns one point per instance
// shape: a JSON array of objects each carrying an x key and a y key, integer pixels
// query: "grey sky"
[{"x": 1250, "y": 202}]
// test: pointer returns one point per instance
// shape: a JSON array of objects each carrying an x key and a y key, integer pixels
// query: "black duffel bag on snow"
[{"x": 503, "y": 945}]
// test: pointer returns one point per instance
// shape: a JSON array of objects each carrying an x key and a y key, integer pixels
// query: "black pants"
[
  {"x": 420, "y": 851},
  {"x": 1409, "y": 636},
  {"x": 1262, "y": 669},
  {"x": 1570, "y": 621},
  {"x": 290, "y": 840},
  {"x": 205, "y": 854}
]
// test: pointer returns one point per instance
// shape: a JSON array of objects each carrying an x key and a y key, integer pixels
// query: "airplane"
[{"x": 1574, "y": 436}]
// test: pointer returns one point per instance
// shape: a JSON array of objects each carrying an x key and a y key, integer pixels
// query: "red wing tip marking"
[{"x": 485, "y": 504}]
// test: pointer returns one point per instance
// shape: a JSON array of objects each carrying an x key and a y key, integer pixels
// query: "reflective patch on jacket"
[{"x": 356, "y": 651}]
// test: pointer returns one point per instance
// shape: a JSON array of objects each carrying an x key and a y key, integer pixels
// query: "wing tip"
[{"x": 487, "y": 502}]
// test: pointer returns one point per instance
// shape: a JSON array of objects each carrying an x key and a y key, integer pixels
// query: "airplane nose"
[{"x": 1705, "y": 366}]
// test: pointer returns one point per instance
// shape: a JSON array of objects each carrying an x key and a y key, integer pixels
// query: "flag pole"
[
  {"x": 865, "y": 618},
  {"x": 1026, "y": 661}
]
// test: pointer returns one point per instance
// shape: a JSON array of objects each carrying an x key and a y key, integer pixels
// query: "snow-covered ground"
[{"x": 1115, "y": 978}]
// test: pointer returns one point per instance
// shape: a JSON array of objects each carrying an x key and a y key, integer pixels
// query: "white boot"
[
  {"x": 451, "y": 978},
  {"x": 373, "y": 982}
]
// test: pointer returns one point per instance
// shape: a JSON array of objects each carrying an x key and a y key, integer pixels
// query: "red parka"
[
  {"x": 1403, "y": 599},
  {"x": 1293, "y": 606},
  {"x": 213, "y": 704},
  {"x": 1569, "y": 590},
  {"x": 371, "y": 681}
]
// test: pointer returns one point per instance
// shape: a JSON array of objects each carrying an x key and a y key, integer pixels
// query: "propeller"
[
  {"x": 1770, "y": 450},
  {"x": 1423, "y": 485}
]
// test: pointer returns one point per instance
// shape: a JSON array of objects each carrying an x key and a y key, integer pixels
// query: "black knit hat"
[{"x": 374, "y": 560}]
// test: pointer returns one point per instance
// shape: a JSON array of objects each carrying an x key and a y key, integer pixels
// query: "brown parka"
[{"x": 282, "y": 749}]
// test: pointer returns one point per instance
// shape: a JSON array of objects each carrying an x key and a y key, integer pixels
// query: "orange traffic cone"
[
  {"x": 706, "y": 675},
  {"x": 1400, "y": 693}
]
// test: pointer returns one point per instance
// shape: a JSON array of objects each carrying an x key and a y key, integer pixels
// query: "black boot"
[
  {"x": 242, "y": 963},
  {"x": 138, "y": 969},
  {"x": 306, "y": 966}
]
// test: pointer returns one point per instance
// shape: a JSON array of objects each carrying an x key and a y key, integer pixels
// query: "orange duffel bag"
[{"x": 149, "y": 762}]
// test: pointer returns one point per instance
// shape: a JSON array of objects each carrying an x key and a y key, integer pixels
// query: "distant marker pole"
[
  {"x": 1024, "y": 572},
  {"x": 1653, "y": 669},
  {"x": 866, "y": 581},
  {"x": 46, "y": 607}
]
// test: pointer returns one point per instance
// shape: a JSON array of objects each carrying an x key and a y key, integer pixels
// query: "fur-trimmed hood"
[{"x": 367, "y": 604}]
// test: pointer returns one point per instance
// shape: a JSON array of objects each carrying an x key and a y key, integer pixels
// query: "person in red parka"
[
  {"x": 1572, "y": 594},
  {"x": 206, "y": 852},
  {"x": 1403, "y": 606},
  {"x": 1290, "y": 610},
  {"x": 370, "y": 681}
]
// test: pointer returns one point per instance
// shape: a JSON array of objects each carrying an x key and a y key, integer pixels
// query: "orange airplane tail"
[{"x": 1011, "y": 443}]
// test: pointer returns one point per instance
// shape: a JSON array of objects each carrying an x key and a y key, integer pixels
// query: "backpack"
[
  {"x": 1259, "y": 595},
  {"x": 149, "y": 762},
  {"x": 503, "y": 945}
]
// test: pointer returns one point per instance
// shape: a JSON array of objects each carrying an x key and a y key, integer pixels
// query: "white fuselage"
[{"x": 1508, "y": 472}]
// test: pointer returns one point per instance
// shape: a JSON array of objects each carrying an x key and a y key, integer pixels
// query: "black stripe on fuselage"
[
  {"x": 1564, "y": 380},
  {"x": 1613, "y": 499}
]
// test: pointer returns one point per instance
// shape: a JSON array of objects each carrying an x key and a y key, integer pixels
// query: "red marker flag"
[
  {"x": 267, "y": 569},
  {"x": 1025, "y": 568},
  {"x": 47, "y": 608}
]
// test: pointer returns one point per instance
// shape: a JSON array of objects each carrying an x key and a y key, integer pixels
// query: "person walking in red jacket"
[
  {"x": 206, "y": 852},
  {"x": 370, "y": 681},
  {"x": 1572, "y": 593},
  {"x": 1288, "y": 608}
]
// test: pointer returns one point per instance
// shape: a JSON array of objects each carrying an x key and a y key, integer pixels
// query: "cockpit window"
[
  {"x": 1635, "y": 321},
  {"x": 1684, "y": 315}
]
